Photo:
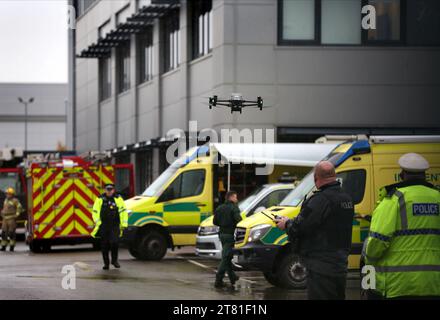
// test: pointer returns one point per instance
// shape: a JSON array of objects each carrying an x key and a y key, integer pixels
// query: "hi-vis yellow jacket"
[
  {"x": 96, "y": 213},
  {"x": 404, "y": 241}
]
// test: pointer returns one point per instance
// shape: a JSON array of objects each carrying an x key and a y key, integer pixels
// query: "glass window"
[
  {"x": 353, "y": 183},
  {"x": 201, "y": 27},
  {"x": 105, "y": 78},
  {"x": 124, "y": 67},
  {"x": 423, "y": 22},
  {"x": 193, "y": 183},
  {"x": 187, "y": 184},
  {"x": 171, "y": 40},
  {"x": 298, "y": 20},
  {"x": 341, "y": 20},
  {"x": 387, "y": 21},
  {"x": 272, "y": 199},
  {"x": 145, "y": 48}
]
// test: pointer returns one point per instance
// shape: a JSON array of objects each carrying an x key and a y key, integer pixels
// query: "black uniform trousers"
[
  {"x": 323, "y": 287},
  {"x": 109, "y": 243}
]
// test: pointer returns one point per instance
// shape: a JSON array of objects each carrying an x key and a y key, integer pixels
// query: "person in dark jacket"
[
  {"x": 322, "y": 231},
  {"x": 227, "y": 216}
]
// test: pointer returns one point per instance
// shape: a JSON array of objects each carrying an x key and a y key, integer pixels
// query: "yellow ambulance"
[
  {"x": 363, "y": 166},
  {"x": 170, "y": 211}
]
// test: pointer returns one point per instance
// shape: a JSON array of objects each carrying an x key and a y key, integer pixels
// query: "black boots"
[
  {"x": 3, "y": 248},
  {"x": 234, "y": 279},
  {"x": 106, "y": 260},
  {"x": 11, "y": 248},
  {"x": 115, "y": 262}
]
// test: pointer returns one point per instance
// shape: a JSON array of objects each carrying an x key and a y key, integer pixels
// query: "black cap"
[{"x": 109, "y": 186}]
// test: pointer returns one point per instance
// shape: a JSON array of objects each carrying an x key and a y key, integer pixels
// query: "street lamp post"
[{"x": 25, "y": 103}]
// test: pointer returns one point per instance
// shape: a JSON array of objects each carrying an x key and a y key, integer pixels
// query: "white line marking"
[{"x": 212, "y": 269}]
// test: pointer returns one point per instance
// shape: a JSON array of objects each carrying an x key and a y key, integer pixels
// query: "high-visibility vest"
[
  {"x": 96, "y": 214},
  {"x": 404, "y": 242}
]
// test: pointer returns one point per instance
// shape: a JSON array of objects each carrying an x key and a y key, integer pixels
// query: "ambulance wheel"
[
  {"x": 152, "y": 246},
  {"x": 292, "y": 273},
  {"x": 271, "y": 278},
  {"x": 133, "y": 252}
]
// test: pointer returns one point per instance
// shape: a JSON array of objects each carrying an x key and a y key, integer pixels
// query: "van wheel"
[
  {"x": 133, "y": 252},
  {"x": 152, "y": 246},
  {"x": 271, "y": 278},
  {"x": 292, "y": 273}
]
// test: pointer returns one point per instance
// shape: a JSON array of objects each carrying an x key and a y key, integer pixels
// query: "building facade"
[
  {"x": 145, "y": 67},
  {"x": 42, "y": 127}
]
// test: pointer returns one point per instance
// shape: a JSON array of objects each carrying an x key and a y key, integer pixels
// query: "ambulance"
[
  {"x": 170, "y": 211},
  {"x": 208, "y": 242},
  {"x": 363, "y": 167}
]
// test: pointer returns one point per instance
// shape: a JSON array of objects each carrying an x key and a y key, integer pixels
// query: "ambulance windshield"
[
  {"x": 307, "y": 185},
  {"x": 156, "y": 186}
]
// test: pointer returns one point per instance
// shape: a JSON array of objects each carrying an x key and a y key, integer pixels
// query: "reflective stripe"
[
  {"x": 402, "y": 205},
  {"x": 379, "y": 236},
  {"x": 408, "y": 268},
  {"x": 416, "y": 232}
]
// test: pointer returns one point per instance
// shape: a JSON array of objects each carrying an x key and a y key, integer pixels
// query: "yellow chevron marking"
[
  {"x": 81, "y": 229},
  {"x": 68, "y": 229}
]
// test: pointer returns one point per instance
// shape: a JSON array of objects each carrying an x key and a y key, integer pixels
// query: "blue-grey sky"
[{"x": 33, "y": 41}]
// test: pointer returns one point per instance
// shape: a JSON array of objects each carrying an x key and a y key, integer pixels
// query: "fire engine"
[{"x": 59, "y": 192}]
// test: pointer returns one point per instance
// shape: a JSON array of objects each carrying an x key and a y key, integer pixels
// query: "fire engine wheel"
[
  {"x": 292, "y": 273},
  {"x": 152, "y": 246},
  {"x": 35, "y": 247}
]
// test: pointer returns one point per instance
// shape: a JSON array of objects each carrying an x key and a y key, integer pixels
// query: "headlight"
[
  {"x": 258, "y": 232},
  {"x": 206, "y": 231}
]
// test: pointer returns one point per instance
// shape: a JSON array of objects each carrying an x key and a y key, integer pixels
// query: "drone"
[{"x": 235, "y": 103}]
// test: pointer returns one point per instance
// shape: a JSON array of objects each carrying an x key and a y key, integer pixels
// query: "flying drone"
[{"x": 235, "y": 103}]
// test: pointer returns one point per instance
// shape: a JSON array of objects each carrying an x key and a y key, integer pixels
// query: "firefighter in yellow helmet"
[
  {"x": 404, "y": 241},
  {"x": 11, "y": 210}
]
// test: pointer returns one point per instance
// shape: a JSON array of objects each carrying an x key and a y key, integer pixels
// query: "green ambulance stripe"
[{"x": 179, "y": 207}]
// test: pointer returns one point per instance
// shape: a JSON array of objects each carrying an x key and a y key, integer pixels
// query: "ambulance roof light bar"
[{"x": 404, "y": 139}]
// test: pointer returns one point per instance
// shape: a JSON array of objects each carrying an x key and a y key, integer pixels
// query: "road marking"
[
  {"x": 200, "y": 265},
  {"x": 212, "y": 269}
]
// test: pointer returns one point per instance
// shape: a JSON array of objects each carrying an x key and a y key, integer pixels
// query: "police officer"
[
  {"x": 110, "y": 217},
  {"x": 322, "y": 231},
  {"x": 227, "y": 216},
  {"x": 10, "y": 212},
  {"x": 404, "y": 240}
]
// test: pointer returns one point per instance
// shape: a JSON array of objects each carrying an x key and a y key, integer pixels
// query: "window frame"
[
  {"x": 141, "y": 41},
  {"x": 102, "y": 96},
  {"x": 365, "y": 182},
  {"x": 120, "y": 55},
  {"x": 364, "y": 33},
  {"x": 169, "y": 25},
  {"x": 197, "y": 9}
]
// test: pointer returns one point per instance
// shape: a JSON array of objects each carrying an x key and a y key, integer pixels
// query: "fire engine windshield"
[{"x": 9, "y": 179}]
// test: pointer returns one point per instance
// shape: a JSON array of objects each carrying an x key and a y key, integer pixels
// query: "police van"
[{"x": 363, "y": 166}]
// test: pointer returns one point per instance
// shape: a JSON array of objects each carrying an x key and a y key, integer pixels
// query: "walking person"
[
  {"x": 323, "y": 231},
  {"x": 110, "y": 217},
  {"x": 227, "y": 216},
  {"x": 10, "y": 212}
]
